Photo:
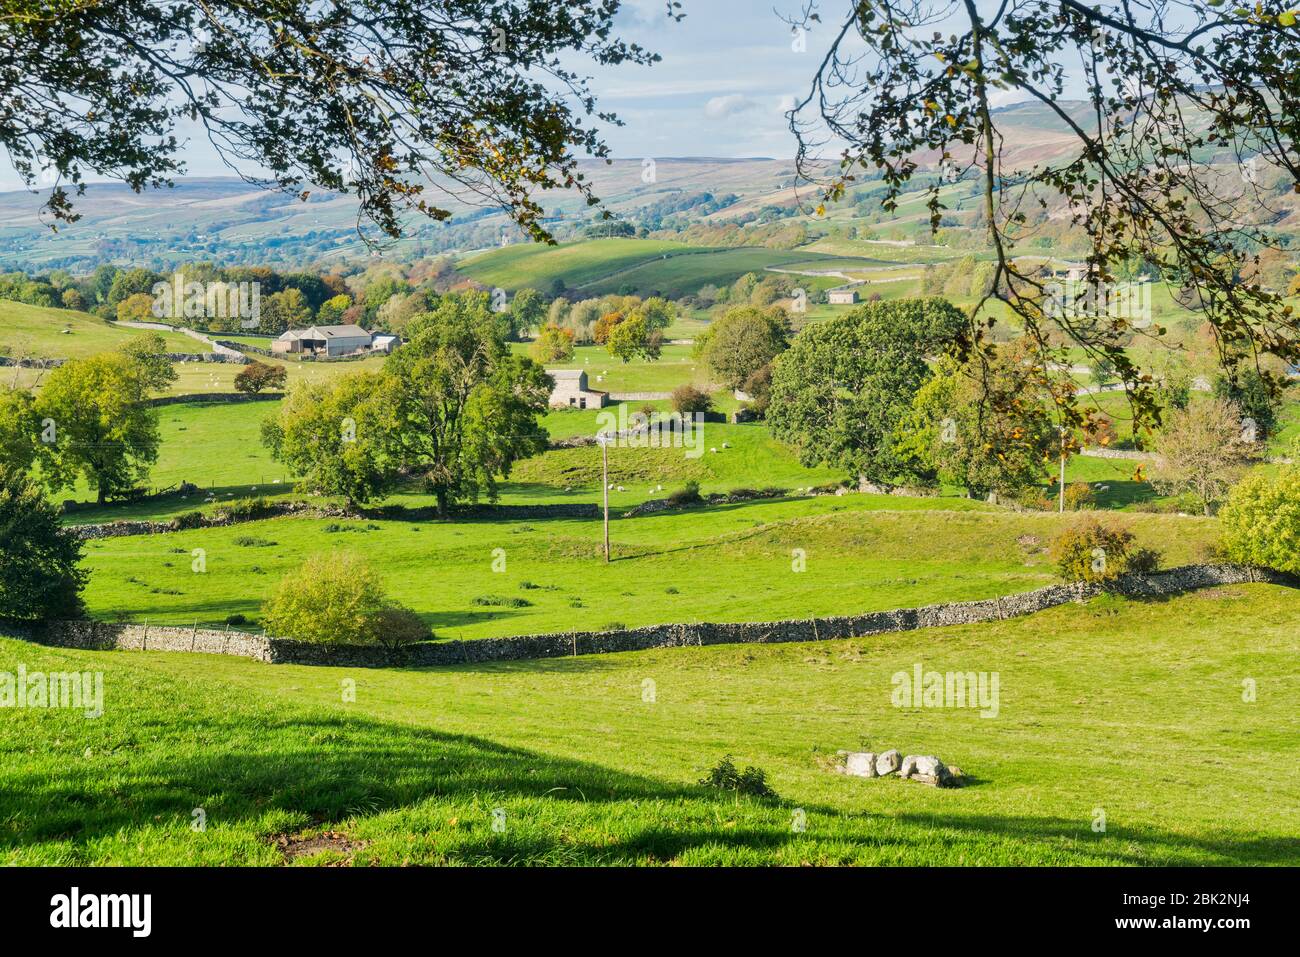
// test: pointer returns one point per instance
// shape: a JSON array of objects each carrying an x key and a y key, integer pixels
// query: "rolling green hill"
[
  {"x": 642, "y": 266},
  {"x": 1132, "y": 707},
  {"x": 67, "y": 334}
]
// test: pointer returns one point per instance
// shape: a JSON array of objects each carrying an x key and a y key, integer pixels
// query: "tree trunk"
[{"x": 442, "y": 502}]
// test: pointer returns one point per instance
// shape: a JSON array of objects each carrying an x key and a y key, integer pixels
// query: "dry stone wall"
[{"x": 107, "y": 635}]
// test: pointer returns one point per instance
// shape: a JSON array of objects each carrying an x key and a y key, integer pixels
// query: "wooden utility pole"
[
  {"x": 603, "y": 439},
  {"x": 1062, "y": 482}
]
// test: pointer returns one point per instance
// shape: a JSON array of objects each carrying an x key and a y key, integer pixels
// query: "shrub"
[
  {"x": 252, "y": 541},
  {"x": 188, "y": 520},
  {"x": 1261, "y": 521},
  {"x": 236, "y": 619},
  {"x": 687, "y": 400},
  {"x": 394, "y": 627},
  {"x": 688, "y": 494},
  {"x": 1079, "y": 496},
  {"x": 499, "y": 601},
  {"x": 332, "y": 599},
  {"x": 244, "y": 509},
  {"x": 1098, "y": 551},
  {"x": 724, "y": 777},
  {"x": 1144, "y": 561},
  {"x": 1033, "y": 498}
]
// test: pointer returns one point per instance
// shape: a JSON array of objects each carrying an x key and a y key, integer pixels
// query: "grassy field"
[
  {"x": 675, "y": 366},
  {"x": 1130, "y": 709},
  {"x": 68, "y": 334},
  {"x": 682, "y": 274},
  {"x": 199, "y": 377},
  {"x": 527, "y": 264},
  {"x": 728, "y": 563},
  {"x": 215, "y": 446},
  {"x": 218, "y": 447},
  {"x": 597, "y": 267}
]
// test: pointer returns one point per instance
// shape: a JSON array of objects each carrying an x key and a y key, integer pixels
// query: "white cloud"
[{"x": 729, "y": 105}]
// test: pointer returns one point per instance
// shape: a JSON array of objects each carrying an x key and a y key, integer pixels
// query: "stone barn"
[
  {"x": 571, "y": 390},
  {"x": 842, "y": 297},
  {"x": 324, "y": 341}
]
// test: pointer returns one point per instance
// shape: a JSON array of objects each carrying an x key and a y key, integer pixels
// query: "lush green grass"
[
  {"x": 216, "y": 446},
  {"x": 679, "y": 275},
  {"x": 1132, "y": 708},
  {"x": 68, "y": 334},
  {"x": 605, "y": 373},
  {"x": 729, "y": 563},
  {"x": 604, "y": 266},
  {"x": 536, "y": 266},
  {"x": 729, "y": 456},
  {"x": 199, "y": 377}
]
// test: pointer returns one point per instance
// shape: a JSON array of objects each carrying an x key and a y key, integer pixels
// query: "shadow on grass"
[
  {"x": 149, "y": 769},
  {"x": 327, "y": 768}
]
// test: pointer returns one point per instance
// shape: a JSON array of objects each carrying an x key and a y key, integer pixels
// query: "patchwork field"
[
  {"x": 727, "y": 563},
  {"x": 1131, "y": 710},
  {"x": 601, "y": 266}
]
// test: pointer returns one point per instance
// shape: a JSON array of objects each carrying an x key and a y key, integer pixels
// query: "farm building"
[
  {"x": 324, "y": 340},
  {"x": 842, "y": 297},
  {"x": 571, "y": 390}
]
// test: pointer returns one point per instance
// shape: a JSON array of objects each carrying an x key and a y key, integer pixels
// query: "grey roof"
[
  {"x": 343, "y": 332},
  {"x": 565, "y": 373}
]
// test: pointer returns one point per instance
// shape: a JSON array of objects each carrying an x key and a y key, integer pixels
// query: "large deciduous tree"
[
  {"x": 842, "y": 390},
  {"x": 338, "y": 437},
  {"x": 1187, "y": 132},
  {"x": 397, "y": 103},
  {"x": 742, "y": 341},
  {"x": 466, "y": 406},
  {"x": 95, "y": 423},
  {"x": 985, "y": 433}
]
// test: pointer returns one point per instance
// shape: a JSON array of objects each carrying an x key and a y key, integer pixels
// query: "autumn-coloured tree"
[
  {"x": 256, "y": 376},
  {"x": 552, "y": 344}
]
